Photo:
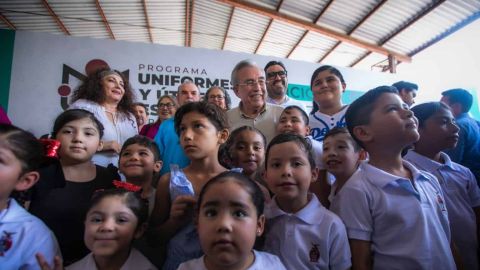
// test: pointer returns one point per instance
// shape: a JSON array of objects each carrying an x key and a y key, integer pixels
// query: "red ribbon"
[
  {"x": 51, "y": 147},
  {"x": 126, "y": 186}
]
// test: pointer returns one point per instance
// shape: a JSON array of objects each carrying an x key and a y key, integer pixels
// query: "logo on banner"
[{"x": 64, "y": 90}]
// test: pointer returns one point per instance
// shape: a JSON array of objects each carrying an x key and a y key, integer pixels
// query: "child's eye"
[
  {"x": 210, "y": 212},
  {"x": 240, "y": 147},
  {"x": 275, "y": 164},
  {"x": 297, "y": 164},
  {"x": 144, "y": 153},
  {"x": 122, "y": 220},
  {"x": 257, "y": 148},
  {"x": 66, "y": 131},
  {"x": 125, "y": 154},
  {"x": 240, "y": 213},
  {"x": 95, "y": 219},
  {"x": 198, "y": 126}
]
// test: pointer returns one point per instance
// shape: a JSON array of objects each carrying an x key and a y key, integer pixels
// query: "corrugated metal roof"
[{"x": 421, "y": 23}]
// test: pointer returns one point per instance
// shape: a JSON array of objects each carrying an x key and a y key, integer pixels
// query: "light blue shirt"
[
  {"x": 312, "y": 238},
  {"x": 406, "y": 223},
  {"x": 169, "y": 145},
  {"x": 23, "y": 235},
  {"x": 461, "y": 195}
]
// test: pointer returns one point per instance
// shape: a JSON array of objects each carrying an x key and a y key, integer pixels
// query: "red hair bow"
[
  {"x": 51, "y": 147},
  {"x": 126, "y": 186}
]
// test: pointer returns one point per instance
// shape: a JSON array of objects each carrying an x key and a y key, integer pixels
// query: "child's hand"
[
  {"x": 182, "y": 208},
  {"x": 57, "y": 263}
]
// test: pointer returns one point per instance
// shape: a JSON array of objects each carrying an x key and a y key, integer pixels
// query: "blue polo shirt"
[
  {"x": 406, "y": 223},
  {"x": 462, "y": 194}
]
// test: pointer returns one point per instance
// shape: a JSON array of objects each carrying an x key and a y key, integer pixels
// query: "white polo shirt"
[
  {"x": 135, "y": 260},
  {"x": 321, "y": 123},
  {"x": 406, "y": 225},
  {"x": 461, "y": 195},
  {"x": 312, "y": 238},
  {"x": 266, "y": 121}
]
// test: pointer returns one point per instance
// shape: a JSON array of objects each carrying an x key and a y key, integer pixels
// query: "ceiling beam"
[
  {"x": 313, "y": 27},
  {"x": 268, "y": 28},
  {"x": 55, "y": 17},
  {"x": 187, "y": 22},
  {"x": 147, "y": 20},
  {"x": 228, "y": 28},
  {"x": 377, "y": 7},
  {"x": 104, "y": 19},
  {"x": 415, "y": 19},
  {"x": 306, "y": 32},
  {"x": 7, "y": 22}
]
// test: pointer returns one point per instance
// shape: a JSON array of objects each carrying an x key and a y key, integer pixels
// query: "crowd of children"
[{"x": 243, "y": 204}]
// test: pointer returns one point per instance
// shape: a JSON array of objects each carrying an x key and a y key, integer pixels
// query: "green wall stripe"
[{"x": 7, "y": 38}]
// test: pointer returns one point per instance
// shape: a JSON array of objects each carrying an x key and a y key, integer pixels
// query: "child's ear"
[
  {"x": 307, "y": 130},
  {"x": 140, "y": 230},
  {"x": 157, "y": 166},
  {"x": 363, "y": 133},
  {"x": 362, "y": 154},
  {"x": 315, "y": 173},
  {"x": 223, "y": 136},
  {"x": 27, "y": 180},
  {"x": 100, "y": 146},
  {"x": 260, "y": 225},
  {"x": 344, "y": 87}
]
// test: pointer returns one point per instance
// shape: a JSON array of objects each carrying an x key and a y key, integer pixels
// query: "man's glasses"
[
  {"x": 166, "y": 105},
  {"x": 220, "y": 97},
  {"x": 251, "y": 83},
  {"x": 274, "y": 74}
]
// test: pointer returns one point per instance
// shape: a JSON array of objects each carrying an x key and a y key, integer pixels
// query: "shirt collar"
[
  {"x": 272, "y": 101},
  {"x": 381, "y": 178},
  {"x": 240, "y": 107},
  {"x": 430, "y": 165},
  {"x": 310, "y": 214}
]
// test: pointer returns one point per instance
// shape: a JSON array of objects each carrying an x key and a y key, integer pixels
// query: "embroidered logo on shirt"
[
  {"x": 441, "y": 203},
  {"x": 314, "y": 253},
  {"x": 6, "y": 242}
]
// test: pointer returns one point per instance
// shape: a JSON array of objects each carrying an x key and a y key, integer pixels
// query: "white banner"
[{"x": 47, "y": 68}]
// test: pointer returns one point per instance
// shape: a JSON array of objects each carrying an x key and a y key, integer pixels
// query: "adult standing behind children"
[
  {"x": 395, "y": 215},
  {"x": 167, "y": 139},
  {"x": 327, "y": 86},
  {"x": 277, "y": 85},
  {"x": 218, "y": 96},
  {"x": 166, "y": 108},
  {"x": 467, "y": 151},
  {"x": 248, "y": 82},
  {"x": 108, "y": 95}
]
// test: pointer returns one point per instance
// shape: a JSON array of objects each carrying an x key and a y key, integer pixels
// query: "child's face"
[
  {"x": 228, "y": 225},
  {"x": 79, "y": 139},
  {"x": 391, "y": 122},
  {"x": 110, "y": 227},
  {"x": 140, "y": 115},
  {"x": 248, "y": 151},
  {"x": 439, "y": 131},
  {"x": 138, "y": 162},
  {"x": 339, "y": 155},
  {"x": 327, "y": 88},
  {"x": 288, "y": 173},
  {"x": 291, "y": 121},
  {"x": 10, "y": 173},
  {"x": 199, "y": 137},
  {"x": 113, "y": 86}
]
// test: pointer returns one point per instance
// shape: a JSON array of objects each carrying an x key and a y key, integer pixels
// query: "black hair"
[
  {"x": 215, "y": 114},
  {"x": 273, "y": 63},
  {"x": 26, "y": 148},
  {"x": 226, "y": 148},
  {"x": 403, "y": 85},
  {"x": 332, "y": 70},
  {"x": 228, "y": 100},
  {"x": 295, "y": 107},
  {"x": 425, "y": 110},
  {"x": 143, "y": 141},
  {"x": 138, "y": 104},
  {"x": 301, "y": 141},
  {"x": 248, "y": 184},
  {"x": 75, "y": 114},
  {"x": 342, "y": 130},
  {"x": 461, "y": 96},
  {"x": 132, "y": 200},
  {"x": 359, "y": 111}
]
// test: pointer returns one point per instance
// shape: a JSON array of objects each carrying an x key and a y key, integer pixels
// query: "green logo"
[{"x": 304, "y": 93}]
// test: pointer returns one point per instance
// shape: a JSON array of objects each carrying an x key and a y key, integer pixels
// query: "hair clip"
[
  {"x": 51, "y": 147},
  {"x": 127, "y": 186}
]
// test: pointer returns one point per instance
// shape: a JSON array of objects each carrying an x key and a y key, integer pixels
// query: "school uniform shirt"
[
  {"x": 462, "y": 194},
  {"x": 321, "y": 123},
  {"x": 135, "y": 261},
  {"x": 312, "y": 238},
  {"x": 266, "y": 121},
  {"x": 406, "y": 224},
  {"x": 23, "y": 235},
  {"x": 263, "y": 261}
]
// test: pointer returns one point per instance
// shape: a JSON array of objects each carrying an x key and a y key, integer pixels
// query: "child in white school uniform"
[
  {"x": 303, "y": 233},
  {"x": 229, "y": 220},
  {"x": 22, "y": 235},
  {"x": 439, "y": 132},
  {"x": 395, "y": 215}
]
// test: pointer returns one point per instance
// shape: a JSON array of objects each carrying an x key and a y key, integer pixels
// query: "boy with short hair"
[
  {"x": 294, "y": 119},
  {"x": 395, "y": 215},
  {"x": 341, "y": 156}
]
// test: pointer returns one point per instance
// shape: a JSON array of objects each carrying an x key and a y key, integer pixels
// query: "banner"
[{"x": 46, "y": 69}]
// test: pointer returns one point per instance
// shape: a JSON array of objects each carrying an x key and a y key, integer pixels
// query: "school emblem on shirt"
[
  {"x": 441, "y": 203},
  {"x": 6, "y": 242},
  {"x": 314, "y": 253}
]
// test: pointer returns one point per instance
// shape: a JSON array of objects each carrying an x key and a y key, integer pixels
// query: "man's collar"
[
  {"x": 273, "y": 101},
  {"x": 263, "y": 110}
]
